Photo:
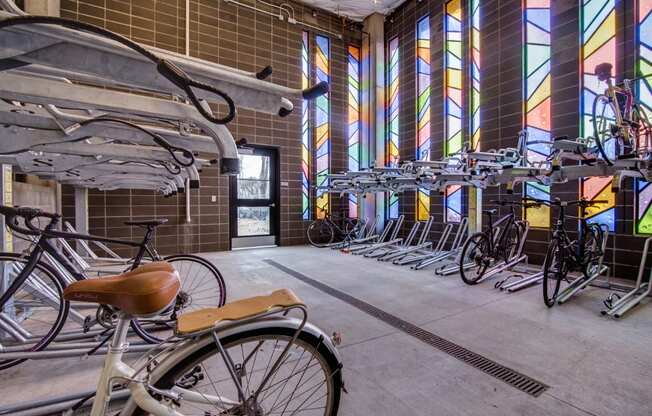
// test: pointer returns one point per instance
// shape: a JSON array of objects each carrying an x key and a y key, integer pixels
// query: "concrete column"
[
  {"x": 43, "y": 7},
  {"x": 373, "y": 105},
  {"x": 81, "y": 211}
]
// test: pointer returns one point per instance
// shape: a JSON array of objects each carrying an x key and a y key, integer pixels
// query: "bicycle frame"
[
  {"x": 496, "y": 241},
  {"x": 43, "y": 245}
]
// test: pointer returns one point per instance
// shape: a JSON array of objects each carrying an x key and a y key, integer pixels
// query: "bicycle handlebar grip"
[
  {"x": 264, "y": 73},
  {"x": 315, "y": 91}
]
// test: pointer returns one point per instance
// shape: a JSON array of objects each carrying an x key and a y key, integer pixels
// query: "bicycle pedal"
[{"x": 336, "y": 338}]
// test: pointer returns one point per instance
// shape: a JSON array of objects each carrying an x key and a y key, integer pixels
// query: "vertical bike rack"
[
  {"x": 397, "y": 245},
  {"x": 524, "y": 282},
  {"x": 439, "y": 254},
  {"x": 637, "y": 294},
  {"x": 582, "y": 282}
]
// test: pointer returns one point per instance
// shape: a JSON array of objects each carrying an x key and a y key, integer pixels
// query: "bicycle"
[
  {"x": 33, "y": 311},
  {"x": 621, "y": 128},
  {"x": 247, "y": 358},
  {"x": 322, "y": 232},
  {"x": 565, "y": 255},
  {"x": 498, "y": 242}
]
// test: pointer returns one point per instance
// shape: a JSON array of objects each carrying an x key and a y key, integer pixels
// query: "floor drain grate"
[{"x": 513, "y": 378}]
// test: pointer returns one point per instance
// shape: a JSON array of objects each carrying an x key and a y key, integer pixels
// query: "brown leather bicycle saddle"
[{"x": 143, "y": 291}]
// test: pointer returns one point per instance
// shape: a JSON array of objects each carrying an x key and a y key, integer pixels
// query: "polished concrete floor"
[{"x": 593, "y": 365}]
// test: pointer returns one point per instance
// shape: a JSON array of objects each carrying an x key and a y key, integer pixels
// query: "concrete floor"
[{"x": 593, "y": 365}]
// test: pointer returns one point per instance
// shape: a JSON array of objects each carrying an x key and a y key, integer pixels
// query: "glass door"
[{"x": 254, "y": 199}]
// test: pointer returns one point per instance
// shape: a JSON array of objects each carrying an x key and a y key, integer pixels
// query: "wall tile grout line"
[{"x": 507, "y": 375}]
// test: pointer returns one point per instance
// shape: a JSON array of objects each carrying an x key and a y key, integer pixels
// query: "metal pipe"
[{"x": 53, "y": 405}]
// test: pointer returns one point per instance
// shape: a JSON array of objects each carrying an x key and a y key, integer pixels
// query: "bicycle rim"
[
  {"x": 554, "y": 270},
  {"x": 475, "y": 253},
  {"x": 36, "y": 312},
  {"x": 308, "y": 381},
  {"x": 603, "y": 117},
  {"x": 320, "y": 233},
  {"x": 202, "y": 286}
]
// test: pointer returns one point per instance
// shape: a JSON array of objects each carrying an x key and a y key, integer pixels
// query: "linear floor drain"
[{"x": 494, "y": 369}]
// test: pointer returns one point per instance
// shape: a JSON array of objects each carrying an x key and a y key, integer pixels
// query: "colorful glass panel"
[
  {"x": 474, "y": 104},
  {"x": 536, "y": 99},
  {"x": 453, "y": 99},
  {"x": 354, "y": 121},
  {"x": 423, "y": 109},
  {"x": 322, "y": 125},
  {"x": 305, "y": 129},
  {"x": 644, "y": 93},
  {"x": 598, "y": 45},
  {"x": 392, "y": 117}
]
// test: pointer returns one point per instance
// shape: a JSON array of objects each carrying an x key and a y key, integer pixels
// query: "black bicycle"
[
  {"x": 498, "y": 242},
  {"x": 325, "y": 231},
  {"x": 31, "y": 289},
  {"x": 565, "y": 255}
]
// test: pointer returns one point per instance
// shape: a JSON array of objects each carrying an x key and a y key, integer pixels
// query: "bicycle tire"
[
  {"x": 639, "y": 115},
  {"x": 593, "y": 248},
  {"x": 61, "y": 316},
  {"x": 554, "y": 282},
  {"x": 320, "y": 233},
  {"x": 185, "y": 365},
  {"x": 513, "y": 240},
  {"x": 211, "y": 273},
  {"x": 598, "y": 131},
  {"x": 478, "y": 241}
]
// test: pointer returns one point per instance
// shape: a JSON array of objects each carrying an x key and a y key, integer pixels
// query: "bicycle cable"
[{"x": 166, "y": 68}]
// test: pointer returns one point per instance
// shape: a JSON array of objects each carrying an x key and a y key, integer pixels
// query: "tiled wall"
[
  {"x": 235, "y": 36},
  {"x": 501, "y": 102}
]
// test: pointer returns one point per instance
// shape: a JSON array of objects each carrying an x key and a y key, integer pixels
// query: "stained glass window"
[
  {"x": 354, "y": 121},
  {"x": 644, "y": 94},
  {"x": 453, "y": 99},
  {"x": 474, "y": 104},
  {"x": 322, "y": 124},
  {"x": 423, "y": 109},
  {"x": 392, "y": 116},
  {"x": 598, "y": 43},
  {"x": 305, "y": 130},
  {"x": 536, "y": 98}
]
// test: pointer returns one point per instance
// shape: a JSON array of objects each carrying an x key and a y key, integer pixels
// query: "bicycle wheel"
[
  {"x": 307, "y": 382},
  {"x": 642, "y": 130},
  {"x": 593, "y": 239},
  {"x": 320, "y": 233},
  {"x": 202, "y": 286},
  {"x": 605, "y": 130},
  {"x": 35, "y": 313},
  {"x": 475, "y": 253},
  {"x": 555, "y": 269},
  {"x": 512, "y": 240}
]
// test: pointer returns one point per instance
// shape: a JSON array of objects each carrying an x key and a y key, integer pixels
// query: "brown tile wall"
[
  {"x": 501, "y": 96},
  {"x": 223, "y": 33}
]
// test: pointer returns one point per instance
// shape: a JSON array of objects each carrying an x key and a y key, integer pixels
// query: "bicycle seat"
[
  {"x": 135, "y": 292},
  {"x": 148, "y": 223},
  {"x": 603, "y": 71},
  {"x": 208, "y": 318},
  {"x": 489, "y": 211}
]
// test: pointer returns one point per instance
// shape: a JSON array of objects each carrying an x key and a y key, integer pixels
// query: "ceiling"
[{"x": 355, "y": 9}]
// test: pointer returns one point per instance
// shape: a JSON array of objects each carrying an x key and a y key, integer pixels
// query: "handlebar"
[{"x": 28, "y": 214}]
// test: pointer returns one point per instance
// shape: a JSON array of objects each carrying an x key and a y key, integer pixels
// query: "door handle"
[{"x": 272, "y": 205}]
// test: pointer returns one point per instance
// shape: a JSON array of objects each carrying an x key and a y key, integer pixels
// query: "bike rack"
[
  {"x": 522, "y": 283},
  {"x": 397, "y": 244},
  {"x": 582, "y": 282},
  {"x": 55, "y": 405},
  {"x": 421, "y": 244},
  {"x": 639, "y": 292},
  {"x": 452, "y": 253},
  {"x": 515, "y": 259},
  {"x": 420, "y": 254},
  {"x": 379, "y": 239},
  {"x": 392, "y": 238}
]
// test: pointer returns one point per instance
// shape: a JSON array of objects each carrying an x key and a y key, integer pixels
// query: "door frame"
[{"x": 275, "y": 190}]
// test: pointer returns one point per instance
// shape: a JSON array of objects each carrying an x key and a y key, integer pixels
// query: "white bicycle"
[{"x": 246, "y": 358}]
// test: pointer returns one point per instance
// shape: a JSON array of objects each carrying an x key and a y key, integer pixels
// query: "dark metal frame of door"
[{"x": 273, "y": 202}]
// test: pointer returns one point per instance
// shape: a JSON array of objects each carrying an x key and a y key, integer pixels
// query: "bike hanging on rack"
[
  {"x": 621, "y": 127},
  {"x": 498, "y": 242},
  {"x": 328, "y": 230},
  {"x": 34, "y": 311},
  {"x": 565, "y": 255}
]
